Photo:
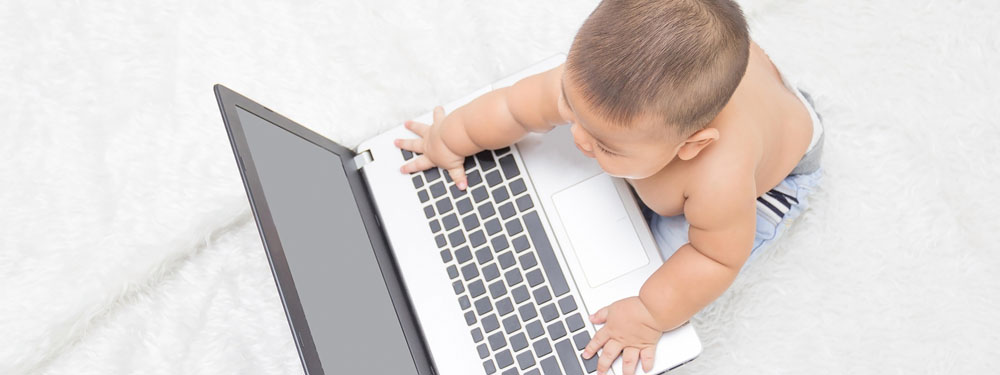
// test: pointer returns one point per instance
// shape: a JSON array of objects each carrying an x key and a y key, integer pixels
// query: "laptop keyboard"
[{"x": 507, "y": 281}]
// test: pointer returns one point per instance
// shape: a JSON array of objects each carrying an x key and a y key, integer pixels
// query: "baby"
[{"x": 673, "y": 96}]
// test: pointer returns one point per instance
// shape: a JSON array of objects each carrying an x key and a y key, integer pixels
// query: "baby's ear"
[{"x": 693, "y": 145}]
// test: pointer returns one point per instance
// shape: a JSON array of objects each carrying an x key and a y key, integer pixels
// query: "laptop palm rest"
[{"x": 600, "y": 230}]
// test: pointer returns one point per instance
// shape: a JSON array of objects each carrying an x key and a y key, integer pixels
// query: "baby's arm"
[
  {"x": 494, "y": 120},
  {"x": 721, "y": 236},
  {"x": 722, "y": 217}
]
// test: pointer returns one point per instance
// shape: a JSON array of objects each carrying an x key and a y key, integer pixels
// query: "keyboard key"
[
  {"x": 490, "y": 323},
  {"x": 568, "y": 358},
  {"x": 509, "y": 167},
  {"x": 418, "y": 182},
  {"x": 464, "y": 205},
  {"x": 469, "y": 271},
  {"x": 514, "y": 227},
  {"x": 492, "y": 226},
  {"x": 567, "y": 305},
  {"x": 574, "y": 323},
  {"x": 470, "y": 317},
  {"x": 480, "y": 194},
  {"x": 517, "y": 187},
  {"x": 486, "y": 210},
  {"x": 497, "y": 341},
  {"x": 497, "y": 289},
  {"x": 548, "y": 312},
  {"x": 501, "y": 151},
  {"x": 483, "y": 351},
  {"x": 476, "y": 288},
  {"x": 590, "y": 364},
  {"x": 518, "y": 341},
  {"x": 470, "y": 162},
  {"x": 463, "y": 301},
  {"x": 423, "y": 196},
  {"x": 527, "y": 260},
  {"x": 435, "y": 226},
  {"x": 535, "y": 277},
  {"x": 500, "y": 194},
  {"x": 513, "y": 276},
  {"x": 506, "y": 210},
  {"x": 550, "y": 366},
  {"x": 455, "y": 191},
  {"x": 520, "y": 243},
  {"x": 525, "y": 360},
  {"x": 533, "y": 371},
  {"x": 545, "y": 254},
  {"x": 557, "y": 330},
  {"x": 511, "y": 324},
  {"x": 527, "y": 311},
  {"x": 458, "y": 286},
  {"x": 474, "y": 178},
  {"x": 441, "y": 242},
  {"x": 493, "y": 178},
  {"x": 504, "y": 358},
  {"x": 407, "y": 155},
  {"x": 499, "y": 243},
  {"x": 443, "y": 206},
  {"x": 429, "y": 211},
  {"x": 470, "y": 222},
  {"x": 486, "y": 160},
  {"x": 542, "y": 296},
  {"x": 477, "y": 334},
  {"x": 491, "y": 272},
  {"x": 447, "y": 176},
  {"x": 432, "y": 174},
  {"x": 520, "y": 293},
  {"x": 504, "y": 306},
  {"x": 456, "y": 238},
  {"x": 484, "y": 255},
  {"x": 534, "y": 330},
  {"x": 542, "y": 347},
  {"x": 437, "y": 189},
  {"x": 511, "y": 371},
  {"x": 506, "y": 260},
  {"x": 463, "y": 255},
  {"x": 581, "y": 339},
  {"x": 450, "y": 221},
  {"x": 488, "y": 366},
  {"x": 524, "y": 203},
  {"x": 477, "y": 238},
  {"x": 452, "y": 271}
]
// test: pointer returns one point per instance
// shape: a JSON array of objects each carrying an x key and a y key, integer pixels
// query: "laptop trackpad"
[{"x": 599, "y": 230}]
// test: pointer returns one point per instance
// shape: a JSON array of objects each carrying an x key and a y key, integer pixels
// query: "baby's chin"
[{"x": 630, "y": 177}]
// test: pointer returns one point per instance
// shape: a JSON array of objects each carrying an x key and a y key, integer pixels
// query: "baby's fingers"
[
  {"x": 417, "y": 164},
  {"x": 417, "y": 128},
  {"x": 646, "y": 356},
  {"x": 596, "y": 343},
  {"x": 415, "y": 145},
  {"x": 458, "y": 175},
  {"x": 630, "y": 358}
]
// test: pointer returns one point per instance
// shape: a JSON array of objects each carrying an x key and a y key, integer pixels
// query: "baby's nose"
[{"x": 589, "y": 153}]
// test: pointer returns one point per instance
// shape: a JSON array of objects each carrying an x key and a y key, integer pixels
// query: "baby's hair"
[{"x": 679, "y": 59}]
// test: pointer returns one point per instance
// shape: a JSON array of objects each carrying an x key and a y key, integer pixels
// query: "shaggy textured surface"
[{"x": 128, "y": 247}]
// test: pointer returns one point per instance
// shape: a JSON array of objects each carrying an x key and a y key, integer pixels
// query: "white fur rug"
[{"x": 128, "y": 247}]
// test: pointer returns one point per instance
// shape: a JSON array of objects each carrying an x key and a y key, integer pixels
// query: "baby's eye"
[{"x": 606, "y": 151}]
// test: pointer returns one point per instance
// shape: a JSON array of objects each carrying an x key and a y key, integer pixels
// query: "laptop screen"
[{"x": 333, "y": 265}]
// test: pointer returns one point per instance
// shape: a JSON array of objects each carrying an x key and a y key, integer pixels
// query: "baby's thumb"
[
  {"x": 600, "y": 316},
  {"x": 458, "y": 175}
]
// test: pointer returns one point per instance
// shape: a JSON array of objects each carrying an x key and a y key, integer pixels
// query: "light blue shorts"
[{"x": 776, "y": 210}]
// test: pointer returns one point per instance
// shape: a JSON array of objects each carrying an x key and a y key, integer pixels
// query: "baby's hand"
[
  {"x": 630, "y": 330},
  {"x": 435, "y": 151}
]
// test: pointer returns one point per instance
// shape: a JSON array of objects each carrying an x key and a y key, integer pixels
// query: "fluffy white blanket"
[{"x": 128, "y": 247}]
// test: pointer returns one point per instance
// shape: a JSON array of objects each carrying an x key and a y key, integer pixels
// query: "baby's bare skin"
[{"x": 713, "y": 177}]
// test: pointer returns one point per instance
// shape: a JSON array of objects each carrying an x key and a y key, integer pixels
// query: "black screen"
[{"x": 333, "y": 264}]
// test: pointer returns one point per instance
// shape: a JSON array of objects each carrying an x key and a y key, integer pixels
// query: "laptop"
[{"x": 387, "y": 273}]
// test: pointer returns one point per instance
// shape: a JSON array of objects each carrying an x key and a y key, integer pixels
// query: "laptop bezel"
[{"x": 228, "y": 101}]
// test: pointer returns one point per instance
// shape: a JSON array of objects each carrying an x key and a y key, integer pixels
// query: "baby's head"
[{"x": 645, "y": 77}]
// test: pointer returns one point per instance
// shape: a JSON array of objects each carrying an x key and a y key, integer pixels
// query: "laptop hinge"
[{"x": 363, "y": 158}]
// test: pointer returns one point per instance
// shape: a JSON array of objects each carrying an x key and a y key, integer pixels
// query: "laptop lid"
[{"x": 337, "y": 280}]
